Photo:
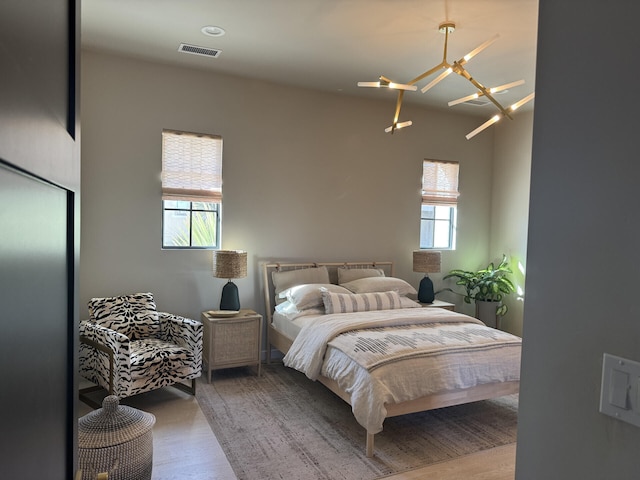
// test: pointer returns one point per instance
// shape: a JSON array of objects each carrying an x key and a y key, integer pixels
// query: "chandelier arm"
[
  {"x": 429, "y": 72},
  {"x": 460, "y": 70},
  {"x": 398, "y": 107},
  {"x": 522, "y": 101},
  {"x": 485, "y": 125},
  {"x": 446, "y": 43},
  {"x": 478, "y": 49},
  {"x": 384, "y": 82},
  {"x": 442, "y": 64},
  {"x": 506, "y": 86},
  {"x": 437, "y": 80},
  {"x": 478, "y": 94},
  {"x": 397, "y": 114},
  {"x": 458, "y": 101},
  {"x": 497, "y": 104}
]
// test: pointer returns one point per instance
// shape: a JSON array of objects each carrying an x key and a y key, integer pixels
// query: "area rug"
[{"x": 282, "y": 425}]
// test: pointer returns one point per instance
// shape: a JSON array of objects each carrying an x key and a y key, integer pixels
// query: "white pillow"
[
  {"x": 360, "y": 302},
  {"x": 289, "y": 310},
  {"x": 379, "y": 284},
  {"x": 348, "y": 274},
  {"x": 290, "y": 278},
  {"x": 309, "y": 295},
  {"x": 408, "y": 303}
]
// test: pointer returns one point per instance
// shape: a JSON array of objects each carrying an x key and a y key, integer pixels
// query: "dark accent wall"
[
  {"x": 583, "y": 248},
  {"x": 39, "y": 237}
]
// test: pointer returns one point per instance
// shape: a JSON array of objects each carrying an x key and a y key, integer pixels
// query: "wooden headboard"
[{"x": 332, "y": 267}]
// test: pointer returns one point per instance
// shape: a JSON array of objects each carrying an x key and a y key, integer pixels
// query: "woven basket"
[{"x": 116, "y": 439}]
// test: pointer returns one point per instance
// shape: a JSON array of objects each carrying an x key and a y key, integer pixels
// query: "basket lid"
[{"x": 113, "y": 424}]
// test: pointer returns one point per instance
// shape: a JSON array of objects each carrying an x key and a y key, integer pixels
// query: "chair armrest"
[
  {"x": 109, "y": 338},
  {"x": 183, "y": 331},
  {"x": 110, "y": 366}
]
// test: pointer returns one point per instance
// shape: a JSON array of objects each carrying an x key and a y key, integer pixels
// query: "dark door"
[{"x": 39, "y": 240}]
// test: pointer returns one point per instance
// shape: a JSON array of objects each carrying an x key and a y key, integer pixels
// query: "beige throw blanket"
[
  {"x": 373, "y": 348},
  {"x": 308, "y": 349}
]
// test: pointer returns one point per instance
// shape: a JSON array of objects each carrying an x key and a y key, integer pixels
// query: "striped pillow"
[{"x": 360, "y": 302}]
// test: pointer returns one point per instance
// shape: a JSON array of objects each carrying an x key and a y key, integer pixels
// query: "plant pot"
[{"x": 486, "y": 312}]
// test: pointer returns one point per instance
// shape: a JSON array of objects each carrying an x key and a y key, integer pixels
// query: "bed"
[{"x": 355, "y": 328}]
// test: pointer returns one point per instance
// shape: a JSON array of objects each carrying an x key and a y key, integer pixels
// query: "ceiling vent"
[
  {"x": 196, "y": 50},
  {"x": 477, "y": 102}
]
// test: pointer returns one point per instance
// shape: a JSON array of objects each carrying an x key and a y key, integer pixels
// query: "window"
[
  {"x": 191, "y": 190},
  {"x": 439, "y": 204}
]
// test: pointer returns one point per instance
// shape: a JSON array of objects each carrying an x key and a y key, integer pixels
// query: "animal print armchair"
[{"x": 127, "y": 347}]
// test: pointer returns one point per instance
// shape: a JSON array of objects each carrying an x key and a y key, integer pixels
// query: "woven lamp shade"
[
  {"x": 229, "y": 264},
  {"x": 426, "y": 261}
]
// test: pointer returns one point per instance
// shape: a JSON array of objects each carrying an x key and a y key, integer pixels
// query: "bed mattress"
[{"x": 291, "y": 324}]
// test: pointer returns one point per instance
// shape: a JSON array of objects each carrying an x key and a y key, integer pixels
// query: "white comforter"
[{"x": 453, "y": 360}]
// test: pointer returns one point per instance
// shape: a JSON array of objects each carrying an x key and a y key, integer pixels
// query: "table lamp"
[
  {"x": 229, "y": 264},
  {"x": 426, "y": 261}
]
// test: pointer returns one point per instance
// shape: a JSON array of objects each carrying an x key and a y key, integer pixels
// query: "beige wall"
[
  {"x": 307, "y": 176},
  {"x": 510, "y": 207}
]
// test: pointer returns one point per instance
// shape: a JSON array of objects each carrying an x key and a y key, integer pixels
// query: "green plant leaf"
[{"x": 490, "y": 283}]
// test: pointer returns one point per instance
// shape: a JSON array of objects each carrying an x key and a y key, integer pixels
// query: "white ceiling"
[{"x": 331, "y": 44}]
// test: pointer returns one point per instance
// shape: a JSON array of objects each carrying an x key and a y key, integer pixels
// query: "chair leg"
[
  {"x": 82, "y": 394},
  {"x": 85, "y": 399},
  {"x": 191, "y": 390}
]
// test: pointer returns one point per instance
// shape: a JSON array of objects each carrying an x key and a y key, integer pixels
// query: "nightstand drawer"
[{"x": 235, "y": 342}]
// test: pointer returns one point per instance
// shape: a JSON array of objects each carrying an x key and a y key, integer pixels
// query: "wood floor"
[
  {"x": 184, "y": 446},
  {"x": 493, "y": 464}
]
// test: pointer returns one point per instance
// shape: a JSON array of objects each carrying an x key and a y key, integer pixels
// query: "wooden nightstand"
[
  {"x": 231, "y": 341},
  {"x": 440, "y": 304}
]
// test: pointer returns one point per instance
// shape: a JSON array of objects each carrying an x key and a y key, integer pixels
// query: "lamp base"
[
  {"x": 230, "y": 299},
  {"x": 425, "y": 291}
]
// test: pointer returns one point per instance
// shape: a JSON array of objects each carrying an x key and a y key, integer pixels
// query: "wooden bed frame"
[{"x": 448, "y": 398}]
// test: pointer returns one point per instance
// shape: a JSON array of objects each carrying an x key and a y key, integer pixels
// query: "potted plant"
[{"x": 490, "y": 284}]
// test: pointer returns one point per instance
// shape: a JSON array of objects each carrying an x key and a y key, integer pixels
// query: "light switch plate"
[
  {"x": 620, "y": 389},
  {"x": 619, "y": 386}
]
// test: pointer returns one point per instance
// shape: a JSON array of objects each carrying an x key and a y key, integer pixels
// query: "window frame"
[
  {"x": 218, "y": 213},
  {"x": 453, "y": 215}
]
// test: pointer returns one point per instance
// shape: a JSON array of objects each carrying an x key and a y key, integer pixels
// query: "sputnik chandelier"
[{"x": 456, "y": 67}]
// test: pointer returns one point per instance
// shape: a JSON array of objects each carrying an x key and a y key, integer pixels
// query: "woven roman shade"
[
  {"x": 440, "y": 183},
  {"x": 191, "y": 167}
]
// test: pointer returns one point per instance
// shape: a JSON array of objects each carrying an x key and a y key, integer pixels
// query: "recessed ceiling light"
[{"x": 212, "y": 31}]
